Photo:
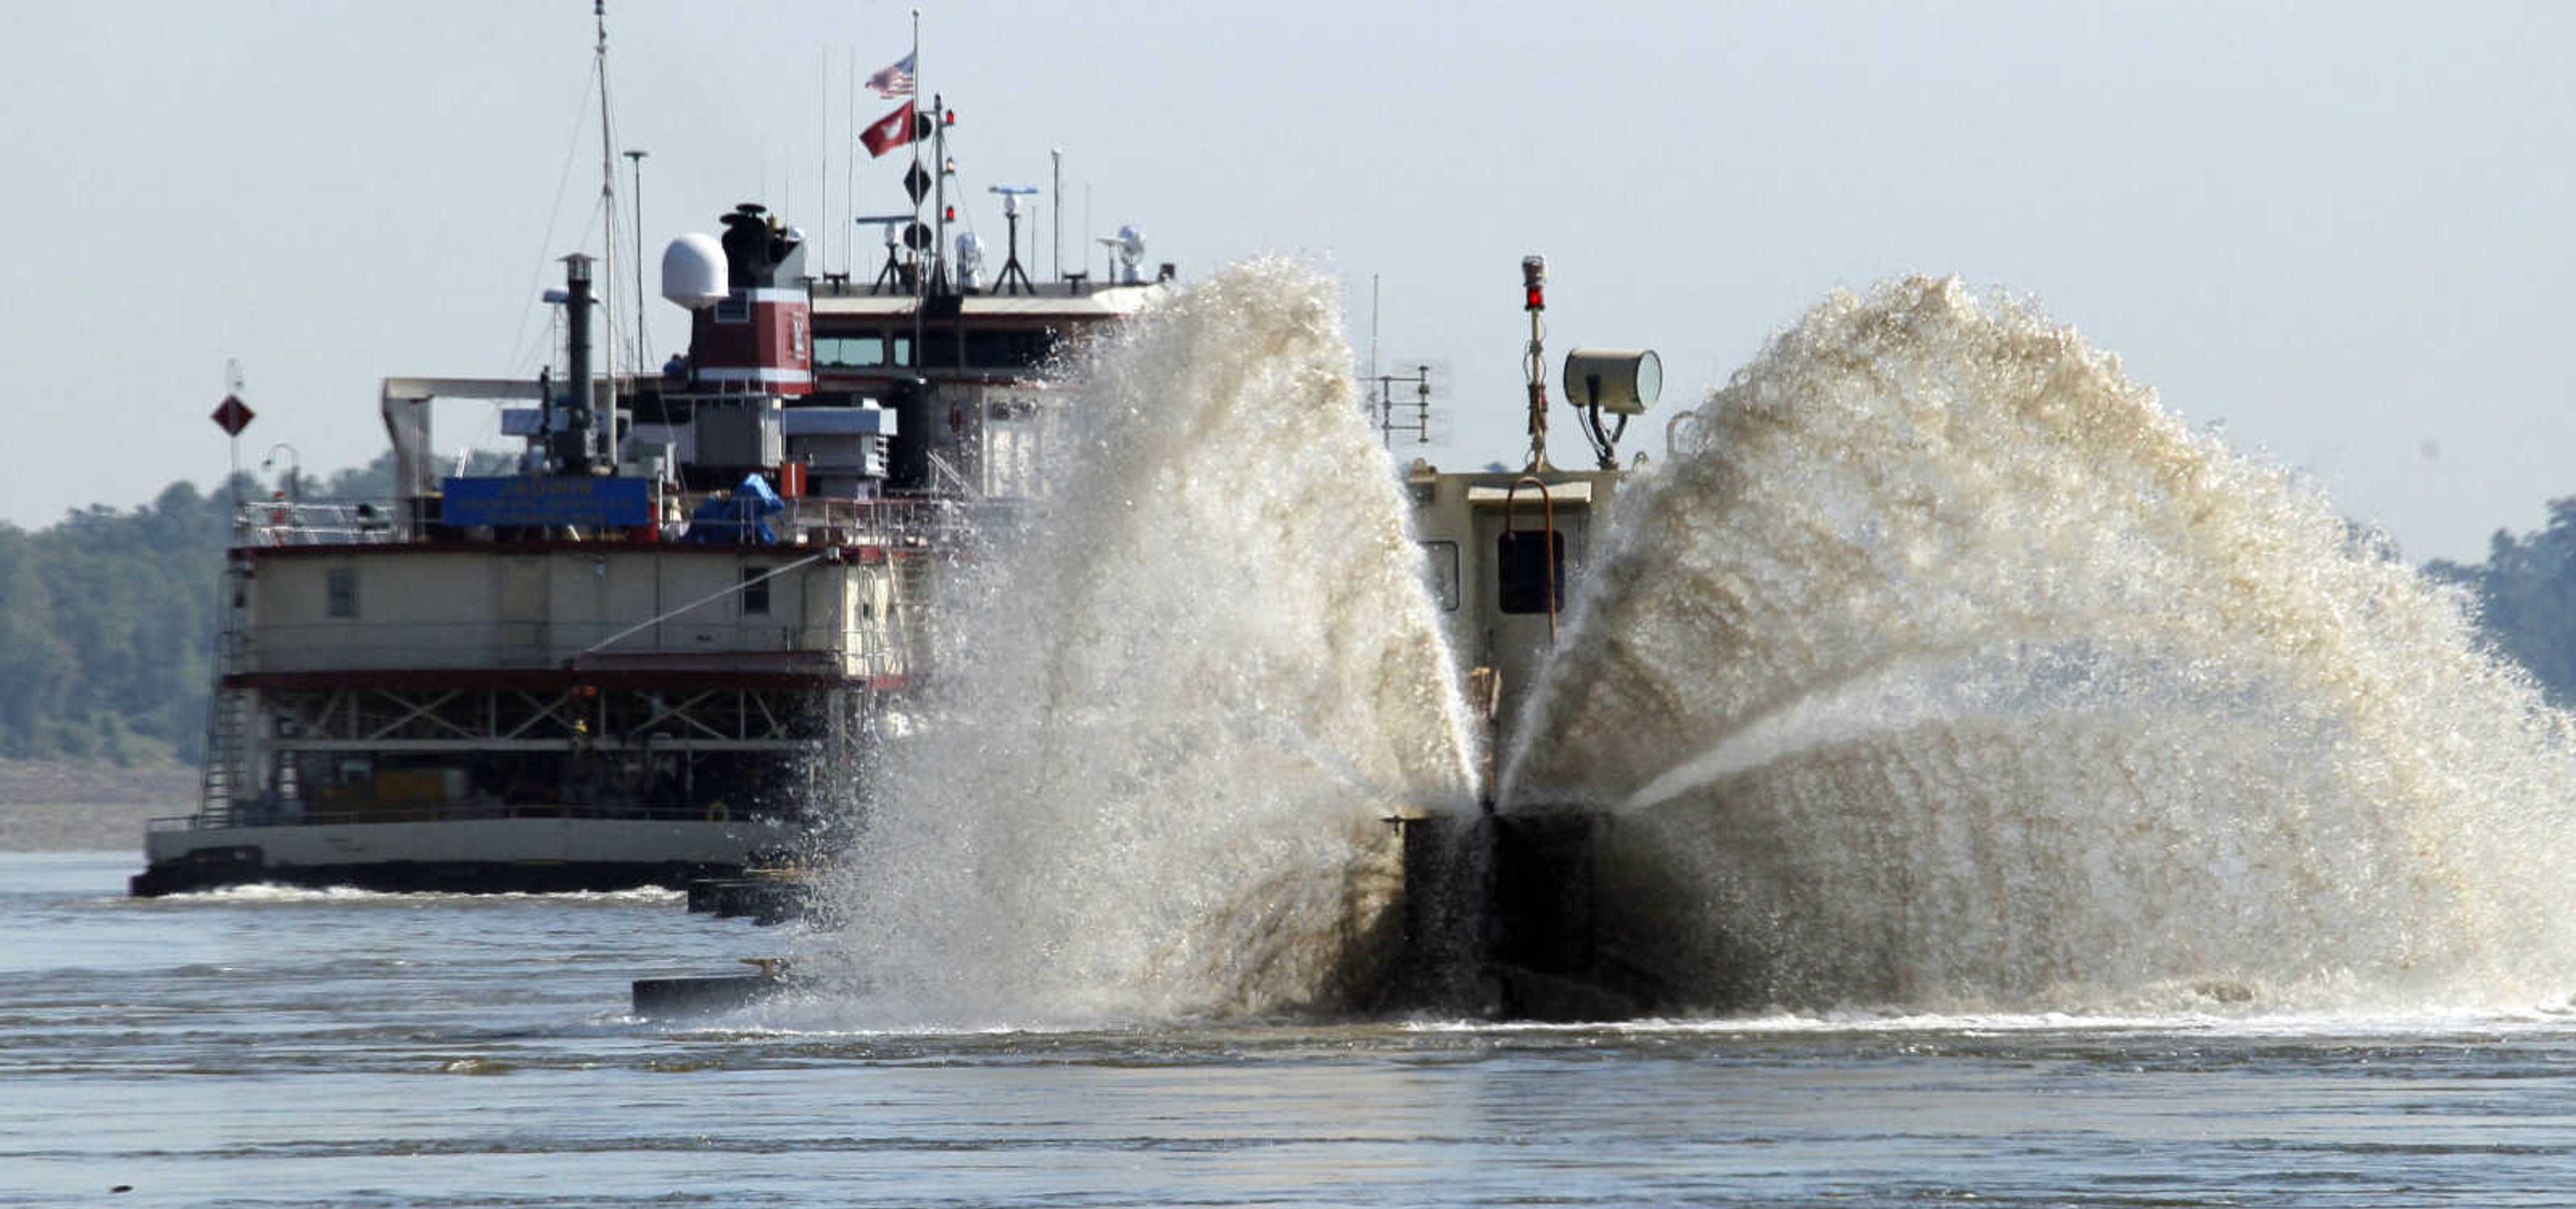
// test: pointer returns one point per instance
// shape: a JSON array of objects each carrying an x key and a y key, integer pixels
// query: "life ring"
[{"x": 716, "y": 812}]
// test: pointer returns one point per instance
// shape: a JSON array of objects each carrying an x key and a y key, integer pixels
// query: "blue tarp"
[
  {"x": 548, "y": 500},
  {"x": 735, "y": 519}
]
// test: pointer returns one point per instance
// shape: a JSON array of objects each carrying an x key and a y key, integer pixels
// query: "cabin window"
[
  {"x": 1009, "y": 349},
  {"x": 866, "y": 351},
  {"x": 939, "y": 350},
  {"x": 1442, "y": 558},
  {"x": 863, "y": 350},
  {"x": 734, "y": 308},
  {"x": 340, "y": 591},
  {"x": 755, "y": 592},
  {"x": 1531, "y": 565},
  {"x": 988, "y": 348}
]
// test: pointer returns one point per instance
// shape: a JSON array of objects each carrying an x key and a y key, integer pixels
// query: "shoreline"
[
  {"x": 81, "y": 826},
  {"x": 74, "y": 806}
]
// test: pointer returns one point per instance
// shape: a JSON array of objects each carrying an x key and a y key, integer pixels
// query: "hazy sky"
[{"x": 2343, "y": 229}]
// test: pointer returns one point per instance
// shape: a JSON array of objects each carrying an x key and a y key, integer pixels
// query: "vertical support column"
[{"x": 1534, "y": 291}]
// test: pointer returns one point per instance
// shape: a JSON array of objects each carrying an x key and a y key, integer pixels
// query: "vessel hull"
[{"x": 500, "y": 855}]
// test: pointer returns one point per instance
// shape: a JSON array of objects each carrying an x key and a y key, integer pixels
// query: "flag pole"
[
  {"x": 920, "y": 256},
  {"x": 850, "y": 177}
]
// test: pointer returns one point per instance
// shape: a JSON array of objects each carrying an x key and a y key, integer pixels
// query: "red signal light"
[
  {"x": 1537, "y": 298},
  {"x": 951, "y": 215}
]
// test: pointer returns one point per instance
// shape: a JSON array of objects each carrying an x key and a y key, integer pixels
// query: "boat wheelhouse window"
[
  {"x": 1009, "y": 349},
  {"x": 1531, "y": 564},
  {"x": 755, "y": 592},
  {"x": 340, "y": 591},
  {"x": 733, "y": 308},
  {"x": 939, "y": 350},
  {"x": 1443, "y": 560},
  {"x": 864, "y": 351}
]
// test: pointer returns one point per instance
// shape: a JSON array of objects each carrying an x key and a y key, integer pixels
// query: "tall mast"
[
  {"x": 643, "y": 351},
  {"x": 823, "y": 106},
  {"x": 850, "y": 176},
  {"x": 607, "y": 431}
]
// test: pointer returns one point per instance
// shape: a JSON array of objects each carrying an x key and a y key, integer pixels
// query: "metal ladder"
[
  {"x": 916, "y": 583},
  {"x": 226, "y": 709}
]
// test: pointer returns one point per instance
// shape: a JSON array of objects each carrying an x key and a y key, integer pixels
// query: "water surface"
[{"x": 263, "y": 1047}]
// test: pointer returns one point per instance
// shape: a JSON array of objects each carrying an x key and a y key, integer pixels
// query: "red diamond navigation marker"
[{"x": 233, "y": 415}]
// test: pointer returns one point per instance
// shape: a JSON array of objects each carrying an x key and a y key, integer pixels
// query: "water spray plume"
[
  {"x": 1939, "y": 665},
  {"x": 1174, "y": 711}
]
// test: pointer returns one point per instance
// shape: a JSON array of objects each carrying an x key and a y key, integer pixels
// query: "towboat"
[{"x": 660, "y": 649}]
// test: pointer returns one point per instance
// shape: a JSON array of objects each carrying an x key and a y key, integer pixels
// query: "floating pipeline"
[
  {"x": 686, "y": 997},
  {"x": 769, "y": 898}
]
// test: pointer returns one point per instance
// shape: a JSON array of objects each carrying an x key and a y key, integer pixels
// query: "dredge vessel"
[
  {"x": 657, "y": 652},
  {"x": 647, "y": 655}
]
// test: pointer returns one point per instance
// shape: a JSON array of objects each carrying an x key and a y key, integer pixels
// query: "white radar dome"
[{"x": 693, "y": 271}]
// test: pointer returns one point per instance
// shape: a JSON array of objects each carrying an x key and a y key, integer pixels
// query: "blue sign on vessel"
[{"x": 526, "y": 499}]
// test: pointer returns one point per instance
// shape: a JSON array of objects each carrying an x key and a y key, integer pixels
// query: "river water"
[
  {"x": 264, "y": 1047},
  {"x": 2117, "y": 825}
]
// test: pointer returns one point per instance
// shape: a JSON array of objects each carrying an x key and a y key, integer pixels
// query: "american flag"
[{"x": 894, "y": 81}]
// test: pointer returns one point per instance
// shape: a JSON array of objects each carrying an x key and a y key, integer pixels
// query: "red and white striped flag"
[{"x": 894, "y": 81}]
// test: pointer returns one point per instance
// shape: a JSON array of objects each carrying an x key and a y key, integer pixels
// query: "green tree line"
[
  {"x": 107, "y": 620},
  {"x": 2525, "y": 594}
]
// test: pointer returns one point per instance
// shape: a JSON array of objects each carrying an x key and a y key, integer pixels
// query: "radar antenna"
[
  {"x": 1126, "y": 252},
  {"x": 900, "y": 229},
  {"x": 1011, "y": 270}
]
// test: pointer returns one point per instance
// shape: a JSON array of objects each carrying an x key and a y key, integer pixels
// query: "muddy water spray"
[
  {"x": 1174, "y": 712},
  {"x": 1939, "y": 664}
]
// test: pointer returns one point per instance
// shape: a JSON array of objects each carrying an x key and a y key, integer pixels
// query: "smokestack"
[{"x": 573, "y": 447}]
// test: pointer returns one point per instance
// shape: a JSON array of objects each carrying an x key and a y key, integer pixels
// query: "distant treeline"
[
  {"x": 107, "y": 616},
  {"x": 107, "y": 621},
  {"x": 2526, "y": 598}
]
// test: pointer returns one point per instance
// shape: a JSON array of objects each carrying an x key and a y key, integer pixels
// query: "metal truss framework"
[{"x": 430, "y": 720}]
